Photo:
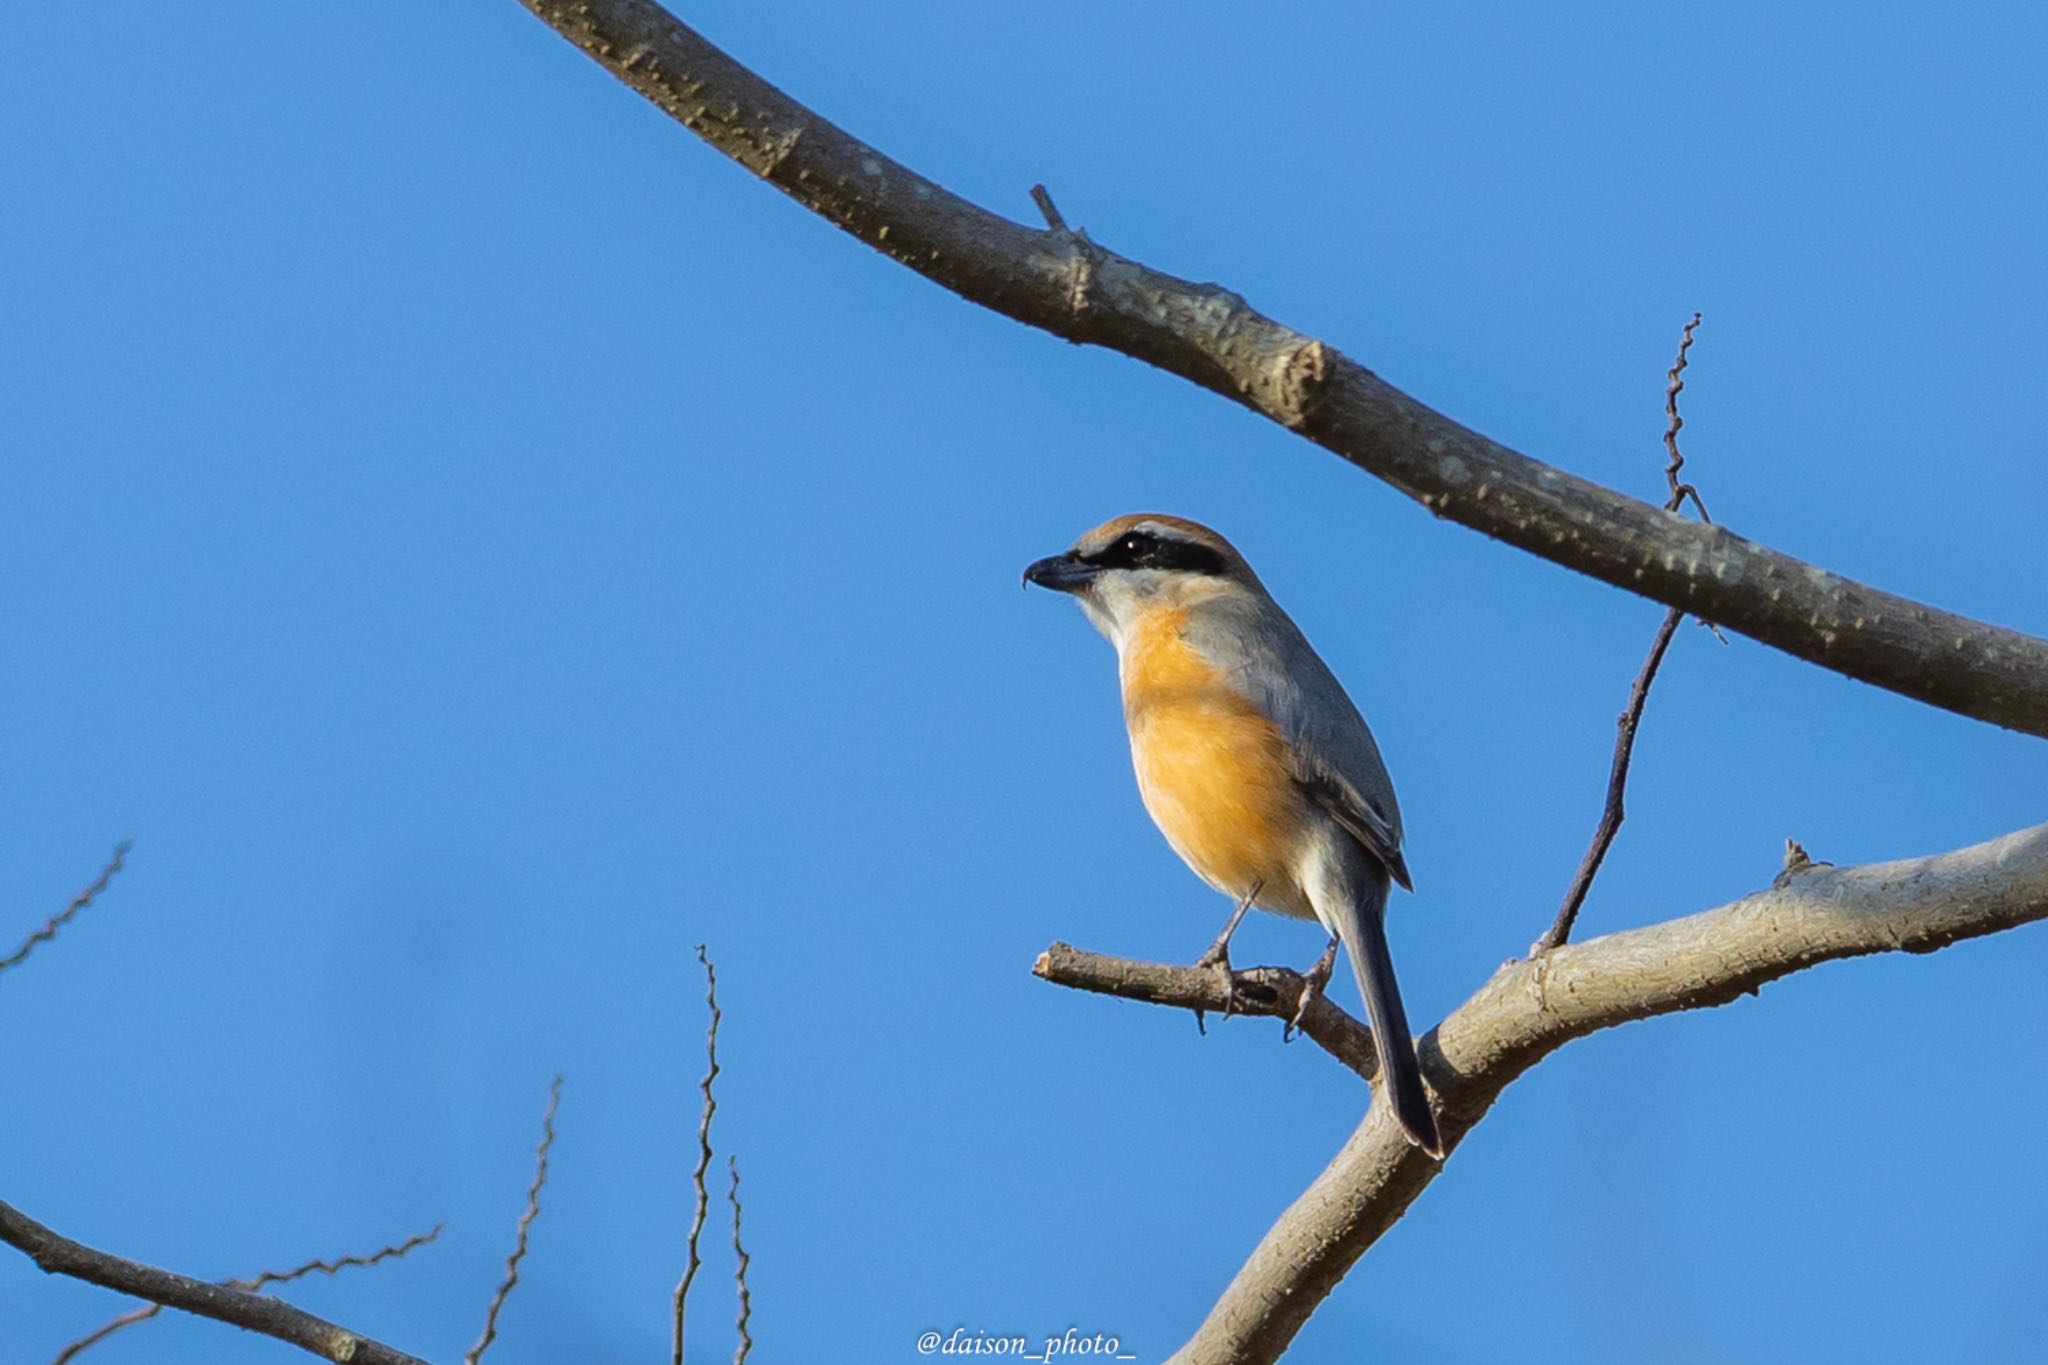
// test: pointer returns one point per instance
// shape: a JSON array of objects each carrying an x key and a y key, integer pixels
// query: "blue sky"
[{"x": 480, "y": 543}]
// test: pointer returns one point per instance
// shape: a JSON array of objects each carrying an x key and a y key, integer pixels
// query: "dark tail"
[{"x": 1364, "y": 932}]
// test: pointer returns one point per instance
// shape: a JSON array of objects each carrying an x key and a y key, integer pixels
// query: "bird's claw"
[
  {"x": 1312, "y": 986},
  {"x": 1217, "y": 959}
]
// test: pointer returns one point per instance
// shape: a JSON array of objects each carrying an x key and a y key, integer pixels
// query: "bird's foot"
[
  {"x": 1216, "y": 958},
  {"x": 1312, "y": 985}
]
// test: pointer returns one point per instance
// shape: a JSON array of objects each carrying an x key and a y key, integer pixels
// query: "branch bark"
[
  {"x": 1058, "y": 280},
  {"x": 1813, "y": 913},
  {"x": 59, "y": 1255}
]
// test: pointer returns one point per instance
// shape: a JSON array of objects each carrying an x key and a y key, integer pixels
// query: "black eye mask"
[{"x": 1143, "y": 550}]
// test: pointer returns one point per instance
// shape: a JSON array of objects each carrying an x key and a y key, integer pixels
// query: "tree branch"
[
  {"x": 261, "y": 1280},
  {"x": 272, "y": 1317},
  {"x": 1274, "y": 992},
  {"x": 1812, "y": 913},
  {"x": 1058, "y": 280}
]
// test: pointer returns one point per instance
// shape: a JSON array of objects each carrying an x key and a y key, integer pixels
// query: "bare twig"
[
  {"x": 697, "y": 1177},
  {"x": 106, "y": 1329},
  {"x": 1212, "y": 337},
  {"x": 1614, "y": 810},
  {"x": 261, "y": 1280},
  {"x": 739, "y": 1273},
  {"x": 1797, "y": 863},
  {"x": 78, "y": 903},
  {"x": 540, "y": 1178},
  {"x": 265, "y": 1278},
  {"x": 1271, "y": 991},
  {"x": 272, "y": 1317},
  {"x": 1674, "y": 384},
  {"x": 1043, "y": 198}
]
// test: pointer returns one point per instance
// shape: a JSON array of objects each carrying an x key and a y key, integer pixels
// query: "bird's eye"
[{"x": 1131, "y": 550}]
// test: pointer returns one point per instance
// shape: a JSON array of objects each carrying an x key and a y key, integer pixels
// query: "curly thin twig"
[
  {"x": 540, "y": 1178},
  {"x": 697, "y": 1177},
  {"x": 739, "y": 1274},
  {"x": 261, "y": 1280},
  {"x": 1674, "y": 385},
  {"x": 1614, "y": 811},
  {"x": 264, "y": 1278},
  {"x": 78, "y": 903}
]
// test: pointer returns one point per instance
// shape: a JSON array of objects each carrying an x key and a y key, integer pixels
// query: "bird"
[{"x": 1251, "y": 758}]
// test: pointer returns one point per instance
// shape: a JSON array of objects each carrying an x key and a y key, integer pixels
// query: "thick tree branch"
[
  {"x": 1058, "y": 280},
  {"x": 1812, "y": 913},
  {"x": 272, "y": 1317}
]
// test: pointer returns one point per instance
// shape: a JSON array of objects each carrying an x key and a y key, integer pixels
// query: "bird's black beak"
[{"x": 1061, "y": 573}]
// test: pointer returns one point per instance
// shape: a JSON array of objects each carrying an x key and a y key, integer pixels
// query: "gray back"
[{"x": 1265, "y": 657}]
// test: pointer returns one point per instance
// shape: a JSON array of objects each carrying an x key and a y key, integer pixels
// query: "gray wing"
[{"x": 1272, "y": 665}]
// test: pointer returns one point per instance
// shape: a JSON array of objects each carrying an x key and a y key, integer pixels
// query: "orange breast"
[{"x": 1213, "y": 771}]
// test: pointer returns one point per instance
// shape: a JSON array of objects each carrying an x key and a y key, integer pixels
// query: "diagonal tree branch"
[
  {"x": 1059, "y": 280},
  {"x": 59, "y": 1255},
  {"x": 1615, "y": 808},
  {"x": 1812, "y": 913},
  {"x": 261, "y": 1280}
]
